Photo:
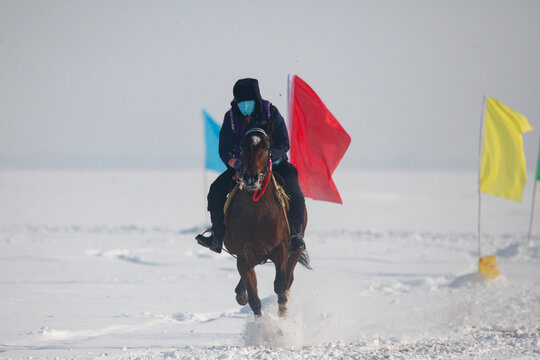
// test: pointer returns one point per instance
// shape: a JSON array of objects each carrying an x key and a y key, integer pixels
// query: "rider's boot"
[
  {"x": 214, "y": 241},
  {"x": 297, "y": 238}
]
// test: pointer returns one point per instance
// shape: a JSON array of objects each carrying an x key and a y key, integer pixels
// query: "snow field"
[{"x": 76, "y": 287}]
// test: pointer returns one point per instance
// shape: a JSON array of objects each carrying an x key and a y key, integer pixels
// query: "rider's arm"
[
  {"x": 280, "y": 138},
  {"x": 226, "y": 140}
]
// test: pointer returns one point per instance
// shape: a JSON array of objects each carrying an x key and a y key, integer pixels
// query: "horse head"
[{"x": 255, "y": 158}]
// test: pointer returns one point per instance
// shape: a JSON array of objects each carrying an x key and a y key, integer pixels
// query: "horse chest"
[
  {"x": 262, "y": 211},
  {"x": 254, "y": 227}
]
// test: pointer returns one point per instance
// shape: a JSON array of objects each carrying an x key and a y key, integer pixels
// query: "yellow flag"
[{"x": 503, "y": 163}]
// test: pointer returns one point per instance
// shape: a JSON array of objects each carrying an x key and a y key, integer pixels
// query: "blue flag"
[{"x": 211, "y": 135}]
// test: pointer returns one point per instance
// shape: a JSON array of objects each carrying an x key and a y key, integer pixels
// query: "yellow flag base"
[{"x": 487, "y": 267}]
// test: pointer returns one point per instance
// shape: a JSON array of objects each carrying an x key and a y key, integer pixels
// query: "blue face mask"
[{"x": 246, "y": 107}]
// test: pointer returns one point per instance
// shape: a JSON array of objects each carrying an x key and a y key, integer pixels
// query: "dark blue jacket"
[{"x": 279, "y": 137}]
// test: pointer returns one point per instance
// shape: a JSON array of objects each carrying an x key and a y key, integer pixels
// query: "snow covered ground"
[{"x": 104, "y": 264}]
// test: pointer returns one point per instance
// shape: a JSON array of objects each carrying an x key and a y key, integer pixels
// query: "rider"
[{"x": 248, "y": 109}]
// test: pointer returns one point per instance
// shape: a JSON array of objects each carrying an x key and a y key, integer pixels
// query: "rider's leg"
[
  {"x": 216, "y": 201},
  {"x": 297, "y": 204}
]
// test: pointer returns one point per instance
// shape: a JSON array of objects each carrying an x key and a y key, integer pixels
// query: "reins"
[{"x": 267, "y": 175}]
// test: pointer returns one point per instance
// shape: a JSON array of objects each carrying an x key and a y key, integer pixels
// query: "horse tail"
[{"x": 304, "y": 260}]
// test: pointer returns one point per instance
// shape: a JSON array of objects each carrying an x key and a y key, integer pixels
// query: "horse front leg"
[
  {"x": 241, "y": 293},
  {"x": 249, "y": 280}
]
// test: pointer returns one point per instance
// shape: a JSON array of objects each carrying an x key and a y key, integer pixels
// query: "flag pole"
[
  {"x": 290, "y": 94},
  {"x": 533, "y": 196},
  {"x": 290, "y": 79},
  {"x": 480, "y": 153}
]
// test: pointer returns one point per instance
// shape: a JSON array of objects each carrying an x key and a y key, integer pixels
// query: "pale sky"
[{"x": 121, "y": 84}]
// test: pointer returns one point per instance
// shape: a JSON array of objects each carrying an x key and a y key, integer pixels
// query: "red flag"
[{"x": 318, "y": 142}]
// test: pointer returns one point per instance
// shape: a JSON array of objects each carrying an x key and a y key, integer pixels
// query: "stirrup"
[
  {"x": 210, "y": 242},
  {"x": 297, "y": 243}
]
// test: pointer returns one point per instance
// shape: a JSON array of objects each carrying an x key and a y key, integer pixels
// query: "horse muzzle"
[{"x": 251, "y": 182}]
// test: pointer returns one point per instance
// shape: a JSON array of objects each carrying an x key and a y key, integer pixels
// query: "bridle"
[{"x": 239, "y": 176}]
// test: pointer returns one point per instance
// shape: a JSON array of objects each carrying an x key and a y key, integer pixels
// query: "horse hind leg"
[
  {"x": 291, "y": 264},
  {"x": 284, "y": 280},
  {"x": 249, "y": 280},
  {"x": 281, "y": 289},
  {"x": 241, "y": 293}
]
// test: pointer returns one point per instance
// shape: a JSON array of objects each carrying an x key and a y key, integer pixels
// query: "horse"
[{"x": 257, "y": 229}]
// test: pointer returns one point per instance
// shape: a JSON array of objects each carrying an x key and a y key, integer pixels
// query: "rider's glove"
[{"x": 235, "y": 163}]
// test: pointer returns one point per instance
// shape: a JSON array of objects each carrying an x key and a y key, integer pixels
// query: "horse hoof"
[{"x": 242, "y": 299}]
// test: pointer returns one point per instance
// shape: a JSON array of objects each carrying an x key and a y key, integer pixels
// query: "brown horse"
[{"x": 257, "y": 229}]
